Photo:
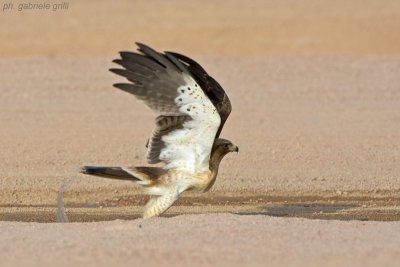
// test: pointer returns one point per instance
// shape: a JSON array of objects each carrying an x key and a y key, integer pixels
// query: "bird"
[{"x": 192, "y": 108}]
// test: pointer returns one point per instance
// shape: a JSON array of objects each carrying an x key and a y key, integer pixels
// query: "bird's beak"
[{"x": 235, "y": 148}]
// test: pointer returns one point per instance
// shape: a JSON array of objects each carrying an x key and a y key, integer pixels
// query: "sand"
[
  {"x": 203, "y": 240},
  {"x": 316, "y": 103}
]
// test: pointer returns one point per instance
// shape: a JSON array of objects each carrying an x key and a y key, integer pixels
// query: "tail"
[
  {"x": 150, "y": 178},
  {"x": 109, "y": 172}
]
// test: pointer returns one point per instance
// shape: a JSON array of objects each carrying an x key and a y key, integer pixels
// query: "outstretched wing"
[
  {"x": 210, "y": 86},
  {"x": 187, "y": 122}
]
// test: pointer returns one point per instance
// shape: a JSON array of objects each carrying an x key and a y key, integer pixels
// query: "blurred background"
[{"x": 226, "y": 28}]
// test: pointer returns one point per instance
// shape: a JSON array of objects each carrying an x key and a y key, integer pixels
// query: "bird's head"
[{"x": 223, "y": 147}]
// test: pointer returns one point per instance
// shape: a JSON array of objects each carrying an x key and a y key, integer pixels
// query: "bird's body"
[{"x": 192, "y": 109}]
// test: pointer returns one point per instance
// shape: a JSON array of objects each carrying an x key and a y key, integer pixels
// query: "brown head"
[{"x": 221, "y": 147}]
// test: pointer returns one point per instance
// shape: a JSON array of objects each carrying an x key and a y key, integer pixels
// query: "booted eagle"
[{"x": 192, "y": 108}]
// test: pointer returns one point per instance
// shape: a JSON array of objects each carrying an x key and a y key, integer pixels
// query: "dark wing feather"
[
  {"x": 160, "y": 58},
  {"x": 210, "y": 86},
  {"x": 154, "y": 79}
]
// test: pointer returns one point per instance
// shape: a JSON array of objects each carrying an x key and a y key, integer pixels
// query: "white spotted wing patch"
[{"x": 190, "y": 148}]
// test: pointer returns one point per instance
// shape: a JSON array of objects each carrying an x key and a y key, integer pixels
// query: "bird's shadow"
[{"x": 312, "y": 211}]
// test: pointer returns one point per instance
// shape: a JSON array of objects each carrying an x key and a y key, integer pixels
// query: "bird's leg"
[{"x": 159, "y": 204}]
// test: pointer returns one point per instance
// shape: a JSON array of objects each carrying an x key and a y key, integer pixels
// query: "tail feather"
[
  {"x": 153, "y": 180},
  {"x": 109, "y": 172}
]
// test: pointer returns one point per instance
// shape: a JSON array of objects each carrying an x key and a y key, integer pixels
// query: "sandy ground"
[
  {"x": 331, "y": 127},
  {"x": 203, "y": 240},
  {"x": 315, "y": 91}
]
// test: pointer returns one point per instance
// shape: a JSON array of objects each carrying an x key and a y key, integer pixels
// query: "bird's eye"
[{"x": 226, "y": 146}]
